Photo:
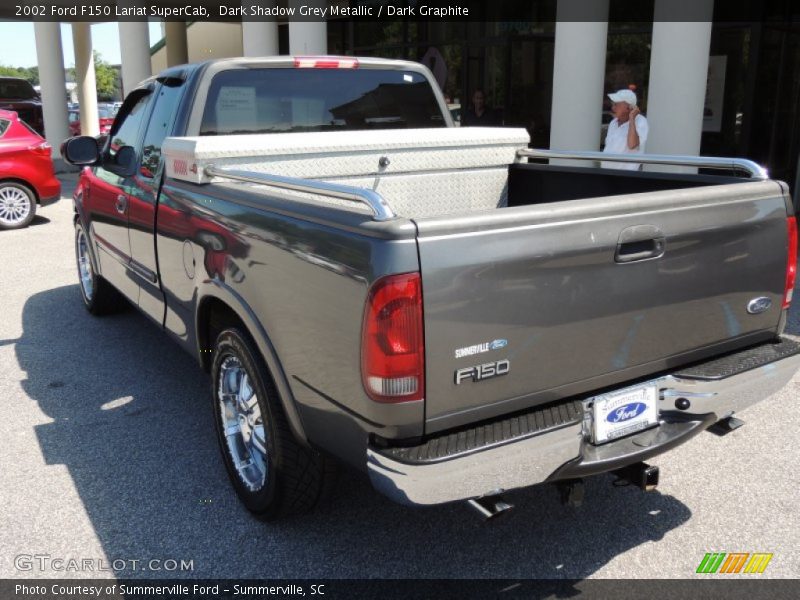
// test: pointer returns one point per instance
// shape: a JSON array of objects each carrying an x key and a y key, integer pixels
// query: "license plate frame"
[{"x": 622, "y": 404}]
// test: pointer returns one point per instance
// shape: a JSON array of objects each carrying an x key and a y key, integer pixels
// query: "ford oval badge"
[
  {"x": 759, "y": 305},
  {"x": 497, "y": 344},
  {"x": 626, "y": 412}
]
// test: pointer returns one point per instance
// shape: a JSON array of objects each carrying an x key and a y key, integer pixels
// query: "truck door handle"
[
  {"x": 640, "y": 242},
  {"x": 121, "y": 204},
  {"x": 641, "y": 250}
]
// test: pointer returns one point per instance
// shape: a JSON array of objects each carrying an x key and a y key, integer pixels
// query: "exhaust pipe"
[{"x": 490, "y": 507}]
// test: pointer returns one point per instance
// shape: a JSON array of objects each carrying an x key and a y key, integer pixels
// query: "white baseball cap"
[{"x": 624, "y": 96}]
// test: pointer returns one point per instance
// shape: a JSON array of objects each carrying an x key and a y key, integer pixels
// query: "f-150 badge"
[{"x": 484, "y": 371}]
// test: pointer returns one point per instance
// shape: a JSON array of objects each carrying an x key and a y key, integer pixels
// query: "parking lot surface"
[{"x": 109, "y": 455}]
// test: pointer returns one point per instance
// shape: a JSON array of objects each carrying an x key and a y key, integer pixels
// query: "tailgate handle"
[{"x": 640, "y": 242}]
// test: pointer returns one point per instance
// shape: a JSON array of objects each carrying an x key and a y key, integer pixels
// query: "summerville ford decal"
[{"x": 481, "y": 348}]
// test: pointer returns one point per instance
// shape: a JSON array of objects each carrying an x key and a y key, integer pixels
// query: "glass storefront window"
[
  {"x": 724, "y": 109},
  {"x": 530, "y": 89},
  {"x": 753, "y": 88}
]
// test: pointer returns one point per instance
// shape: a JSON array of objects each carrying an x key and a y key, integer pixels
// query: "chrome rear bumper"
[{"x": 715, "y": 390}]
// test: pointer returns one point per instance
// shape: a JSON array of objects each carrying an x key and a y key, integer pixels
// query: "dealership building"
[{"x": 713, "y": 77}]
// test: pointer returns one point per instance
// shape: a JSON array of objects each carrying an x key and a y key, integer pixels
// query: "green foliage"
[
  {"x": 106, "y": 78},
  {"x": 29, "y": 73}
]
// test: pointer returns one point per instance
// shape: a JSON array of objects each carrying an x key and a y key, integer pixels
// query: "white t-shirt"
[{"x": 617, "y": 142}]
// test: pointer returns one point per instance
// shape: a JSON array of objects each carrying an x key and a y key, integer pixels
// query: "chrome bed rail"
[
  {"x": 381, "y": 210},
  {"x": 754, "y": 170}
]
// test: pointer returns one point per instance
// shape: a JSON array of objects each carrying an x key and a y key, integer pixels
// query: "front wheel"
[
  {"x": 273, "y": 475},
  {"x": 17, "y": 205},
  {"x": 98, "y": 295}
]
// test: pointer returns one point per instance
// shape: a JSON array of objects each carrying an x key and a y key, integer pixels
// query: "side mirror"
[
  {"x": 122, "y": 162},
  {"x": 80, "y": 151}
]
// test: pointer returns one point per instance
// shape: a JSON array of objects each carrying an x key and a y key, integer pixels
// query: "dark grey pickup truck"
[{"x": 436, "y": 306}]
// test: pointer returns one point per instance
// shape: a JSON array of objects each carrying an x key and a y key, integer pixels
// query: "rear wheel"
[
  {"x": 99, "y": 297},
  {"x": 273, "y": 474},
  {"x": 17, "y": 205}
]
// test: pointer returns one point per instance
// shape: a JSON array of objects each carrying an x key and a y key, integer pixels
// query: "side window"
[
  {"x": 158, "y": 129},
  {"x": 127, "y": 133},
  {"x": 3, "y": 126}
]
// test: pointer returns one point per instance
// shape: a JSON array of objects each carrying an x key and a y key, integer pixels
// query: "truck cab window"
[
  {"x": 127, "y": 132},
  {"x": 292, "y": 100}
]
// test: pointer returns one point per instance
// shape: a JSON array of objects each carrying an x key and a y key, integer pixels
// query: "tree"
[
  {"x": 28, "y": 73},
  {"x": 105, "y": 77}
]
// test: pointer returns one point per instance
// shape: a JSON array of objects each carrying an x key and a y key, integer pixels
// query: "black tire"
[
  {"x": 99, "y": 296},
  {"x": 296, "y": 478},
  {"x": 22, "y": 198}
]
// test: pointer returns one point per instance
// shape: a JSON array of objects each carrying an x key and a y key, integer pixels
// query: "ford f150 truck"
[{"x": 436, "y": 306}]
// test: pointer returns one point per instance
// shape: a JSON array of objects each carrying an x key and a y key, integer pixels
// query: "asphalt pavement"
[{"x": 108, "y": 456}]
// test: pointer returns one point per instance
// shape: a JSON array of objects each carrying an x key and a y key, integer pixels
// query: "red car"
[
  {"x": 26, "y": 172},
  {"x": 105, "y": 115}
]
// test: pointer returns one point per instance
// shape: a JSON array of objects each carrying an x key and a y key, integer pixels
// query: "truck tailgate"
[{"x": 577, "y": 295}]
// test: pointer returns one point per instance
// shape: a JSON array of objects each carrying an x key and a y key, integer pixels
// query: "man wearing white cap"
[{"x": 627, "y": 132}]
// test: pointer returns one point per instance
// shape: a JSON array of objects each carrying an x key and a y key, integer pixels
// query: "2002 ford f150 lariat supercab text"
[{"x": 436, "y": 306}]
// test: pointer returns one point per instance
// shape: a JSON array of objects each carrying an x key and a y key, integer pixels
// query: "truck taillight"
[
  {"x": 791, "y": 262},
  {"x": 392, "y": 340},
  {"x": 325, "y": 62}
]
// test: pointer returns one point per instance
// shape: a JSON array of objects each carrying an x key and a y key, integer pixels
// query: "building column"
[
  {"x": 678, "y": 77},
  {"x": 50, "y": 58},
  {"x": 260, "y": 38},
  {"x": 308, "y": 37},
  {"x": 134, "y": 46},
  {"x": 177, "y": 46},
  {"x": 579, "y": 72},
  {"x": 84, "y": 74}
]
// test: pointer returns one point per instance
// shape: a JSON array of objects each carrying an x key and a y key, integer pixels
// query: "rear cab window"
[{"x": 281, "y": 100}]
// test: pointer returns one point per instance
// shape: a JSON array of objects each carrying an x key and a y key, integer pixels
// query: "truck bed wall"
[
  {"x": 531, "y": 183},
  {"x": 303, "y": 272}
]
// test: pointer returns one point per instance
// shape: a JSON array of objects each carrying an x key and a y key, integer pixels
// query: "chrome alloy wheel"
[
  {"x": 85, "y": 271},
  {"x": 242, "y": 423},
  {"x": 15, "y": 205}
]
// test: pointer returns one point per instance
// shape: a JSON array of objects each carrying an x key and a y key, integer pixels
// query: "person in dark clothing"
[{"x": 479, "y": 114}]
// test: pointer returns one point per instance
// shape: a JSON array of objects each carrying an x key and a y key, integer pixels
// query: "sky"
[{"x": 18, "y": 47}]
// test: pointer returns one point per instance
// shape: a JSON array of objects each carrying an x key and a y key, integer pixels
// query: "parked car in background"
[
  {"x": 18, "y": 95},
  {"x": 26, "y": 172},
  {"x": 105, "y": 114}
]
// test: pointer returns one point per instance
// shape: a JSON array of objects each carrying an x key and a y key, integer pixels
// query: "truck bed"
[{"x": 580, "y": 278}]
